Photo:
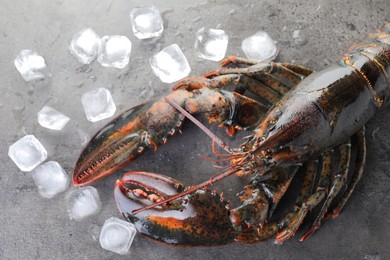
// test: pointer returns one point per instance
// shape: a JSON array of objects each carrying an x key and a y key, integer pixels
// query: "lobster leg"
[
  {"x": 233, "y": 61},
  {"x": 268, "y": 94},
  {"x": 308, "y": 182},
  {"x": 299, "y": 69},
  {"x": 258, "y": 199},
  {"x": 242, "y": 83},
  {"x": 260, "y": 196},
  {"x": 275, "y": 75},
  {"x": 311, "y": 202},
  {"x": 337, "y": 184},
  {"x": 357, "y": 174},
  {"x": 252, "y": 234},
  {"x": 274, "y": 80},
  {"x": 237, "y": 61}
]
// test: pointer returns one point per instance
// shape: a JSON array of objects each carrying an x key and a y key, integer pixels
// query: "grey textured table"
[{"x": 32, "y": 227}]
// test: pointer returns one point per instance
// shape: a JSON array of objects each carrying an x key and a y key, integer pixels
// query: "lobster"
[{"x": 299, "y": 121}]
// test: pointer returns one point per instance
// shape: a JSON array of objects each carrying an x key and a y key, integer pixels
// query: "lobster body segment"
[{"x": 298, "y": 119}]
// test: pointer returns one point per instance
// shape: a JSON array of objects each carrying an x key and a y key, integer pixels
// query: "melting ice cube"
[
  {"x": 211, "y": 44},
  {"x": 115, "y": 51},
  {"x": 98, "y": 104},
  {"x": 50, "y": 118},
  {"x": 51, "y": 179},
  {"x": 83, "y": 202},
  {"x": 146, "y": 22},
  {"x": 27, "y": 153},
  {"x": 170, "y": 64},
  {"x": 31, "y": 65},
  {"x": 117, "y": 235},
  {"x": 85, "y": 45},
  {"x": 260, "y": 46}
]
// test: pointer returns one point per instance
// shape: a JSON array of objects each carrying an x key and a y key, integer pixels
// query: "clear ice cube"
[
  {"x": 51, "y": 179},
  {"x": 83, "y": 202},
  {"x": 50, "y": 118},
  {"x": 31, "y": 65},
  {"x": 260, "y": 46},
  {"x": 27, "y": 153},
  {"x": 146, "y": 22},
  {"x": 117, "y": 235},
  {"x": 170, "y": 64},
  {"x": 98, "y": 104},
  {"x": 211, "y": 44},
  {"x": 115, "y": 51},
  {"x": 85, "y": 45}
]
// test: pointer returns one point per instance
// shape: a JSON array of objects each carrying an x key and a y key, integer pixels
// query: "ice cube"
[
  {"x": 85, "y": 45},
  {"x": 211, "y": 44},
  {"x": 51, "y": 179},
  {"x": 146, "y": 22},
  {"x": 170, "y": 64},
  {"x": 31, "y": 65},
  {"x": 115, "y": 51},
  {"x": 50, "y": 118},
  {"x": 260, "y": 47},
  {"x": 83, "y": 202},
  {"x": 98, "y": 104},
  {"x": 117, "y": 235},
  {"x": 27, "y": 153}
]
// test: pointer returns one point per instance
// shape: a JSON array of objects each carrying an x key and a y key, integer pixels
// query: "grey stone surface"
[{"x": 32, "y": 227}]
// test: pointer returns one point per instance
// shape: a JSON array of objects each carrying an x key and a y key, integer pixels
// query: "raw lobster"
[{"x": 299, "y": 120}]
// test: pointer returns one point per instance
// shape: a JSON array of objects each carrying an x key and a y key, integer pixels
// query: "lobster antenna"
[
  {"x": 192, "y": 189},
  {"x": 215, "y": 138}
]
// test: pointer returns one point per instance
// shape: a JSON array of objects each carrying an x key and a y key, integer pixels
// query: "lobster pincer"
[{"x": 200, "y": 218}]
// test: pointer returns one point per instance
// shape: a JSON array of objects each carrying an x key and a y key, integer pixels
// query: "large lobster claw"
[
  {"x": 201, "y": 218},
  {"x": 125, "y": 138}
]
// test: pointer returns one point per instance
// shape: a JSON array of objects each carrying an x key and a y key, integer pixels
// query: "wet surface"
[{"x": 309, "y": 33}]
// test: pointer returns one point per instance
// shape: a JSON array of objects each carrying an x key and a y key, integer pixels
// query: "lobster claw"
[
  {"x": 201, "y": 218},
  {"x": 124, "y": 139},
  {"x": 113, "y": 146}
]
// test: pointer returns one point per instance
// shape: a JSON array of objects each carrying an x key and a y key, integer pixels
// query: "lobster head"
[
  {"x": 201, "y": 218},
  {"x": 289, "y": 133}
]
